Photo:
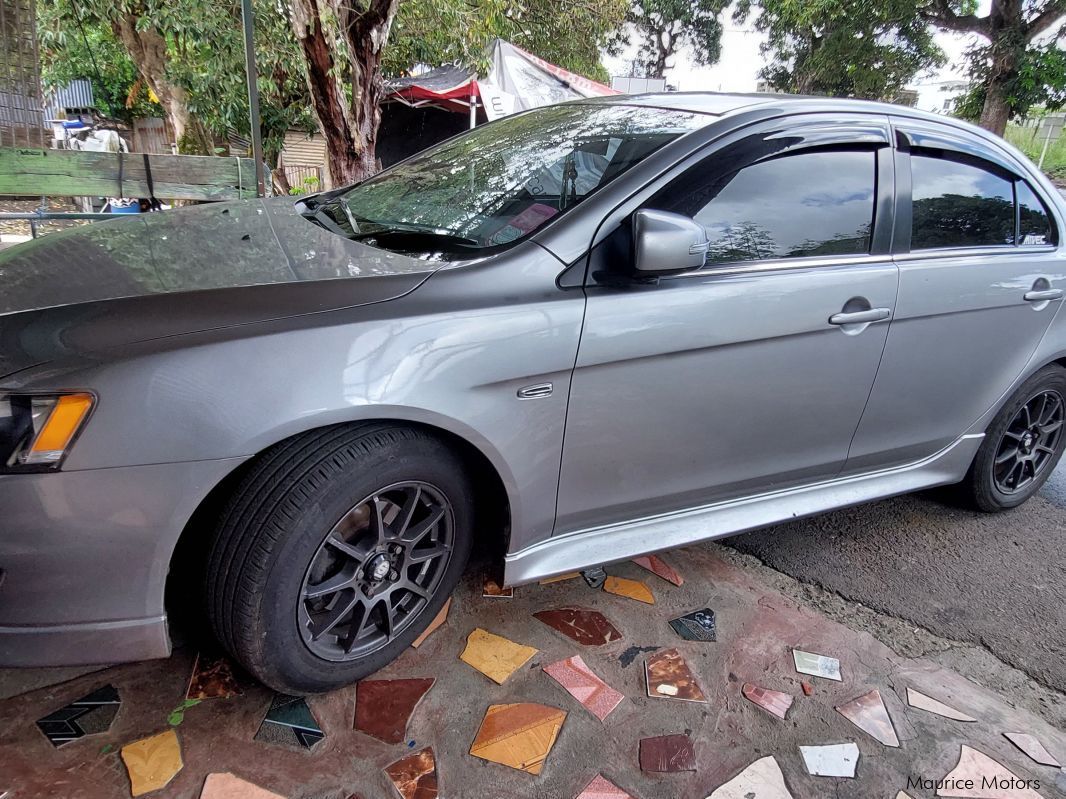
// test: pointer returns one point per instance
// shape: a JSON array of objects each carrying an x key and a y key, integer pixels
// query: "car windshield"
[{"x": 502, "y": 181}]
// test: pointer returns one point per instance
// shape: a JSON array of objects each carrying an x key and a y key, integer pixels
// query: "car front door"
[
  {"x": 980, "y": 281},
  {"x": 750, "y": 374}
]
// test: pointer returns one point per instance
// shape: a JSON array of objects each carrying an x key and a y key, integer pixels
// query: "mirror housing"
[{"x": 665, "y": 243}]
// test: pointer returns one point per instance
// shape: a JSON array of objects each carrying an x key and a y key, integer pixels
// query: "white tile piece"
[
  {"x": 922, "y": 702},
  {"x": 1033, "y": 748},
  {"x": 817, "y": 665},
  {"x": 761, "y": 780},
  {"x": 834, "y": 760},
  {"x": 990, "y": 779}
]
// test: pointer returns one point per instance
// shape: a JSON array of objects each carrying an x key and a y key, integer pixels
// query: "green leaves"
[{"x": 661, "y": 27}]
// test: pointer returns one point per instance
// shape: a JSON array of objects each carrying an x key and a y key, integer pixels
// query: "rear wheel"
[
  {"x": 337, "y": 549},
  {"x": 1022, "y": 445}
]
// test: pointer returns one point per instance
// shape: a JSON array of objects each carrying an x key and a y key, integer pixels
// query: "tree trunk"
[
  {"x": 996, "y": 110},
  {"x": 350, "y": 128},
  {"x": 148, "y": 50}
]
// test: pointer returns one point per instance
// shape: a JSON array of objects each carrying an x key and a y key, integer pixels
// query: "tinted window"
[
  {"x": 812, "y": 203},
  {"x": 1035, "y": 223},
  {"x": 959, "y": 205}
]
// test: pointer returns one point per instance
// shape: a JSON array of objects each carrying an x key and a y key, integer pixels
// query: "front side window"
[
  {"x": 503, "y": 181},
  {"x": 1034, "y": 222},
  {"x": 806, "y": 204},
  {"x": 957, "y": 204}
]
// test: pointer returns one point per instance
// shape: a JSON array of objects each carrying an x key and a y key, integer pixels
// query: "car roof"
[{"x": 721, "y": 103}]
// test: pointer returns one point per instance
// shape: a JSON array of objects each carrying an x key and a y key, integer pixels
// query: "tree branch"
[
  {"x": 941, "y": 15},
  {"x": 1054, "y": 12}
]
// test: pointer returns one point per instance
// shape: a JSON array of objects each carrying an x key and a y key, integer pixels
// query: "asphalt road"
[{"x": 997, "y": 581}]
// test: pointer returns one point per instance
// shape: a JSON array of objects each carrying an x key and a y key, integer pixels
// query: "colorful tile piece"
[
  {"x": 211, "y": 678},
  {"x": 586, "y": 627},
  {"x": 659, "y": 567},
  {"x": 415, "y": 776},
  {"x": 383, "y": 707},
  {"x": 761, "y": 780},
  {"x": 438, "y": 620},
  {"x": 1033, "y": 748},
  {"x": 869, "y": 714},
  {"x": 290, "y": 722},
  {"x": 776, "y": 703},
  {"x": 834, "y": 760},
  {"x": 227, "y": 786},
  {"x": 903, "y": 795},
  {"x": 631, "y": 589},
  {"x": 91, "y": 714},
  {"x": 580, "y": 682},
  {"x": 518, "y": 735},
  {"x": 602, "y": 788},
  {"x": 495, "y": 590},
  {"x": 559, "y": 578},
  {"x": 990, "y": 779},
  {"x": 152, "y": 762},
  {"x": 699, "y": 625},
  {"x": 495, "y": 656},
  {"x": 923, "y": 702},
  {"x": 817, "y": 665},
  {"x": 670, "y": 677},
  {"x": 808, "y": 689},
  {"x": 667, "y": 753}
]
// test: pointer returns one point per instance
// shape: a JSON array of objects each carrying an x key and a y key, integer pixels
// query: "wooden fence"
[{"x": 26, "y": 171}]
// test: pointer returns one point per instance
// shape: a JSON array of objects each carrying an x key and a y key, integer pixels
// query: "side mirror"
[{"x": 665, "y": 243}]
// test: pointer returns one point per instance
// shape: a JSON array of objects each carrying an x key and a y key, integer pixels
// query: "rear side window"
[
  {"x": 1034, "y": 221},
  {"x": 958, "y": 204},
  {"x": 806, "y": 204}
]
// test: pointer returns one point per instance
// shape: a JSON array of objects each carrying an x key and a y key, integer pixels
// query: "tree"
[
  {"x": 848, "y": 48},
  {"x": 1009, "y": 72},
  {"x": 347, "y": 46},
  {"x": 189, "y": 56},
  {"x": 661, "y": 27}
]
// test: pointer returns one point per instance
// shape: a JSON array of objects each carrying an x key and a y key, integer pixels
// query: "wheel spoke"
[
  {"x": 356, "y": 553},
  {"x": 335, "y": 617},
  {"x": 418, "y": 532},
  {"x": 1050, "y": 427},
  {"x": 422, "y": 555},
  {"x": 1007, "y": 455},
  {"x": 407, "y": 512},
  {"x": 332, "y": 585},
  {"x": 414, "y": 588},
  {"x": 377, "y": 522}
]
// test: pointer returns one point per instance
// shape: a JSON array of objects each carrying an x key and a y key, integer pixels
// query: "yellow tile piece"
[
  {"x": 634, "y": 589},
  {"x": 519, "y": 735},
  {"x": 560, "y": 577},
  {"x": 495, "y": 656},
  {"x": 152, "y": 762}
]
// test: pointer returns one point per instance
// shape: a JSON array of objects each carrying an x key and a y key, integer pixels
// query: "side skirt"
[{"x": 611, "y": 543}]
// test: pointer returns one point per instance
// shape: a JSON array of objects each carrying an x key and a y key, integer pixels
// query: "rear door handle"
[
  {"x": 860, "y": 317},
  {"x": 1043, "y": 296}
]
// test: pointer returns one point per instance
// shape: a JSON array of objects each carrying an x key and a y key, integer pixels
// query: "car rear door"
[
  {"x": 750, "y": 374},
  {"x": 980, "y": 281}
]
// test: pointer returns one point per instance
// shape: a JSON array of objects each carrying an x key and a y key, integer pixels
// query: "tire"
[
  {"x": 272, "y": 577},
  {"x": 1042, "y": 395}
]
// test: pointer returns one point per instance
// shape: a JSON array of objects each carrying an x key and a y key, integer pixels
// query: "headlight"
[{"x": 37, "y": 430}]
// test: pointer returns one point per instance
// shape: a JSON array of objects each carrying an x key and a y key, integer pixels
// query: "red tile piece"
[
  {"x": 667, "y": 753},
  {"x": 776, "y": 703},
  {"x": 586, "y": 627},
  {"x": 578, "y": 679},
  {"x": 383, "y": 707},
  {"x": 601, "y": 788},
  {"x": 660, "y": 567},
  {"x": 415, "y": 776}
]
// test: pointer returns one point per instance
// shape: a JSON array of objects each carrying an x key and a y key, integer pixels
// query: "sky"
[{"x": 738, "y": 69}]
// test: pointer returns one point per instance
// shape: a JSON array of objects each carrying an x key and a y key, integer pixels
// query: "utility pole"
[{"x": 248, "y": 17}]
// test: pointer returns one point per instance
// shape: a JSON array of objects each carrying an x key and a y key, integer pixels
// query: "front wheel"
[
  {"x": 1022, "y": 445},
  {"x": 337, "y": 549}
]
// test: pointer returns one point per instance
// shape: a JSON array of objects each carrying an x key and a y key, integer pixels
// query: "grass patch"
[{"x": 1031, "y": 142}]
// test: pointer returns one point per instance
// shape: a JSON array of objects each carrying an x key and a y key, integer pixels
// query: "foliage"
[
  {"x": 1039, "y": 82},
  {"x": 850, "y": 48},
  {"x": 71, "y": 48},
  {"x": 434, "y": 32},
  {"x": 1008, "y": 72},
  {"x": 1031, "y": 142},
  {"x": 661, "y": 27}
]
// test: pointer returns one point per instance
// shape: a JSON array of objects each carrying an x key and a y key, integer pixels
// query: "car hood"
[{"x": 182, "y": 271}]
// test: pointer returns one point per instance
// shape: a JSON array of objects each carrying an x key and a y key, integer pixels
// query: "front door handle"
[
  {"x": 860, "y": 317},
  {"x": 1043, "y": 296}
]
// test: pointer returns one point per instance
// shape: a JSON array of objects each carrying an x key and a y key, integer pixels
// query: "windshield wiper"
[{"x": 419, "y": 236}]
